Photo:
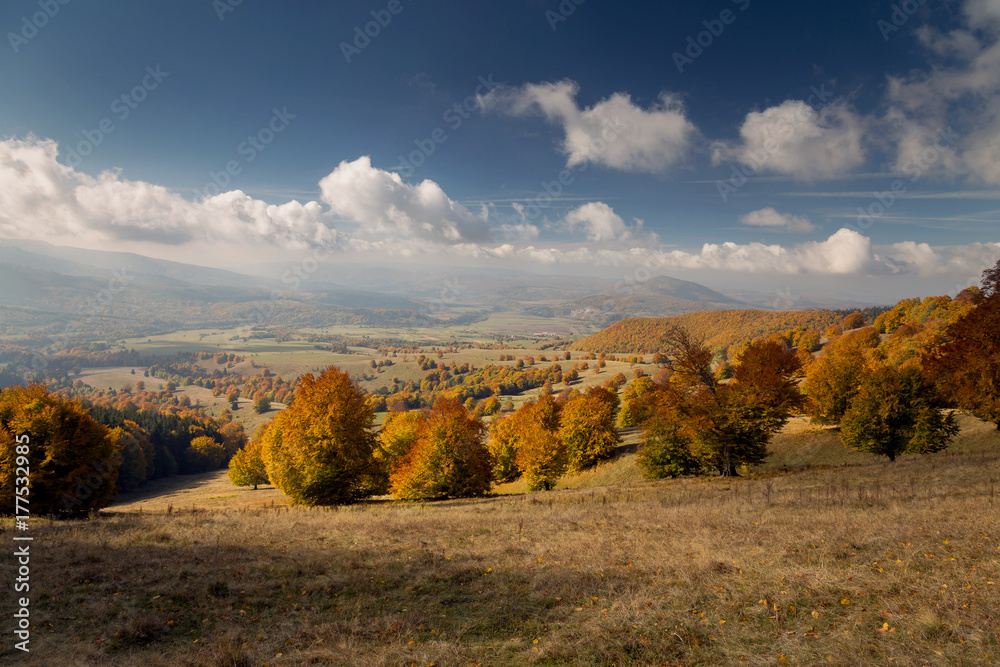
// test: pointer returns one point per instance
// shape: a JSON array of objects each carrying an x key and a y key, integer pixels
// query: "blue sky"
[{"x": 844, "y": 146}]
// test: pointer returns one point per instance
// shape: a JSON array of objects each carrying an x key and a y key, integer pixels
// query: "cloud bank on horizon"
[
  {"x": 43, "y": 199},
  {"x": 364, "y": 208}
]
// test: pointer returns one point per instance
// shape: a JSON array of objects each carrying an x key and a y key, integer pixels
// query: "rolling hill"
[{"x": 659, "y": 296}]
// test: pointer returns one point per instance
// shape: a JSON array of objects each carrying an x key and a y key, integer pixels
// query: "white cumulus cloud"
[
  {"x": 983, "y": 13},
  {"x": 947, "y": 118},
  {"x": 383, "y": 204},
  {"x": 598, "y": 221},
  {"x": 44, "y": 199},
  {"x": 769, "y": 218},
  {"x": 795, "y": 139},
  {"x": 614, "y": 132},
  {"x": 844, "y": 253}
]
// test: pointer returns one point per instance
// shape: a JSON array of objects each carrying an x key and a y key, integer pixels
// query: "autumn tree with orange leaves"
[
  {"x": 449, "y": 458},
  {"x": 587, "y": 427},
  {"x": 726, "y": 425},
  {"x": 69, "y": 460},
  {"x": 506, "y": 438},
  {"x": 833, "y": 380},
  {"x": 399, "y": 433},
  {"x": 966, "y": 368}
]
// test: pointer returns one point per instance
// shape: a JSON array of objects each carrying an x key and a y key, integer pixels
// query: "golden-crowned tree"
[
  {"x": 321, "y": 450},
  {"x": 541, "y": 454},
  {"x": 833, "y": 379},
  {"x": 635, "y": 409},
  {"x": 853, "y": 321},
  {"x": 234, "y": 438},
  {"x": 504, "y": 444},
  {"x": 587, "y": 427},
  {"x": 261, "y": 403},
  {"x": 68, "y": 457},
  {"x": 247, "y": 468},
  {"x": 449, "y": 458}
]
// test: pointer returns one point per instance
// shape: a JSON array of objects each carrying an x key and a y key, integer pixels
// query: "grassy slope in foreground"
[
  {"x": 719, "y": 328},
  {"x": 848, "y": 566}
]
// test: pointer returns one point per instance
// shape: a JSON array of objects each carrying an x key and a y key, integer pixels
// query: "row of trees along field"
[{"x": 321, "y": 450}]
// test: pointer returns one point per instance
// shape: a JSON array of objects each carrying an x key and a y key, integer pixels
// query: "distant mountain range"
[
  {"x": 39, "y": 280},
  {"x": 60, "y": 278}
]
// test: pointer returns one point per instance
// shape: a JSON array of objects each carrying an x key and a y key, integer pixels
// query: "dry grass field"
[{"x": 853, "y": 564}]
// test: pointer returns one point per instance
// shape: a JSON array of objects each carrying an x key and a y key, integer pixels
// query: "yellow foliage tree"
[
  {"x": 247, "y": 468},
  {"x": 234, "y": 438},
  {"x": 399, "y": 432},
  {"x": 541, "y": 454},
  {"x": 834, "y": 378},
  {"x": 504, "y": 443},
  {"x": 205, "y": 454},
  {"x": 587, "y": 427},
  {"x": 320, "y": 450}
]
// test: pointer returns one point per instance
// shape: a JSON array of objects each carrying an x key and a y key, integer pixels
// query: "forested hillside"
[{"x": 718, "y": 328}]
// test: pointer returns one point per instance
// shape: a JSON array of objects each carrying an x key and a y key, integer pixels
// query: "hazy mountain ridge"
[
  {"x": 99, "y": 303},
  {"x": 659, "y": 296},
  {"x": 90, "y": 271},
  {"x": 153, "y": 293}
]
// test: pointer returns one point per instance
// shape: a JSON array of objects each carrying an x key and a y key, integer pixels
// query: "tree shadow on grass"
[{"x": 153, "y": 592}]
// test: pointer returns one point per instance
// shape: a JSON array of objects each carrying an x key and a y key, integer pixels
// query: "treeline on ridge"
[{"x": 717, "y": 329}]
